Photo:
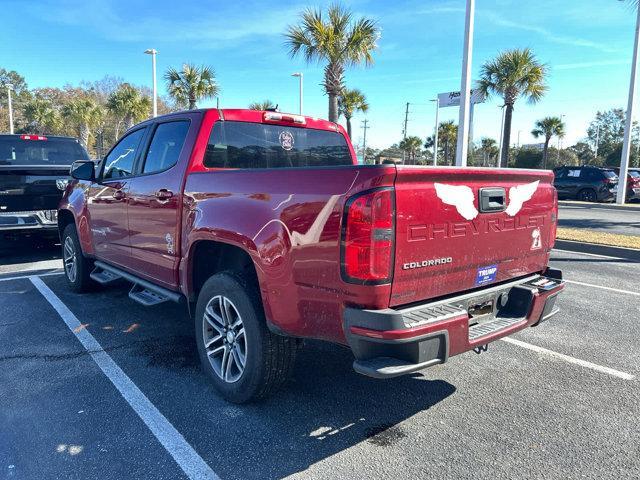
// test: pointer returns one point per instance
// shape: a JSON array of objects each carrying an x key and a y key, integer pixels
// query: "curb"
[
  {"x": 602, "y": 206},
  {"x": 581, "y": 247}
]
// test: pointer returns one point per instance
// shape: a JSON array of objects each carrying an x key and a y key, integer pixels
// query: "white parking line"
[
  {"x": 567, "y": 358},
  {"x": 6, "y": 279},
  {"x": 628, "y": 292},
  {"x": 185, "y": 456}
]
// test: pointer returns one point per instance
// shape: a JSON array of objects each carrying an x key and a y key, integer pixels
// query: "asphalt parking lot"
[
  {"x": 600, "y": 217},
  {"x": 137, "y": 406}
]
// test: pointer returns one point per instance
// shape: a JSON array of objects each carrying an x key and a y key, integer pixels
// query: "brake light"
[
  {"x": 284, "y": 117},
  {"x": 32, "y": 137},
  {"x": 554, "y": 220},
  {"x": 368, "y": 237}
]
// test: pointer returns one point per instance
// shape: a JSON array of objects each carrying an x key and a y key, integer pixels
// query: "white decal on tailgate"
[
  {"x": 520, "y": 194},
  {"x": 460, "y": 196}
]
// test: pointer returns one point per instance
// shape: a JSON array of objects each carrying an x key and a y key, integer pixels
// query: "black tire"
[
  {"x": 81, "y": 281},
  {"x": 269, "y": 358},
  {"x": 588, "y": 195}
]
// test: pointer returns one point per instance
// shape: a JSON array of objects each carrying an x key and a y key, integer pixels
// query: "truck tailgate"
[
  {"x": 459, "y": 229},
  {"x": 31, "y": 187}
]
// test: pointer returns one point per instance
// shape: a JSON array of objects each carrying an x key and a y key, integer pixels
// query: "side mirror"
[{"x": 83, "y": 170}]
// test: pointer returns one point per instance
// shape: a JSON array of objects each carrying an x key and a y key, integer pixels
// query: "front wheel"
[
  {"x": 243, "y": 358},
  {"x": 587, "y": 195},
  {"x": 77, "y": 267}
]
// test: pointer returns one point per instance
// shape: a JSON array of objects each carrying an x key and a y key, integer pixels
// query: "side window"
[
  {"x": 165, "y": 146},
  {"x": 573, "y": 173},
  {"x": 256, "y": 145},
  {"x": 119, "y": 162},
  {"x": 562, "y": 173},
  {"x": 589, "y": 174}
]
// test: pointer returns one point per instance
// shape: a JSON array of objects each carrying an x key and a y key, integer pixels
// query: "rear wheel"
[
  {"x": 77, "y": 267},
  {"x": 587, "y": 195},
  {"x": 243, "y": 358}
]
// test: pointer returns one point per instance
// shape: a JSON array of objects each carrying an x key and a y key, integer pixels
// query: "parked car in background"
[
  {"x": 34, "y": 171},
  {"x": 586, "y": 183},
  {"x": 266, "y": 226},
  {"x": 633, "y": 183}
]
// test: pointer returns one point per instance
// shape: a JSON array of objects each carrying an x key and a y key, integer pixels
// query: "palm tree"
[
  {"x": 191, "y": 84},
  {"x": 349, "y": 102},
  {"x": 337, "y": 39},
  {"x": 41, "y": 116},
  {"x": 411, "y": 145},
  {"x": 489, "y": 149},
  {"x": 264, "y": 105},
  {"x": 513, "y": 74},
  {"x": 85, "y": 114},
  {"x": 547, "y": 128},
  {"x": 447, "y": 138},
  {"x": 128, "y": 104}
]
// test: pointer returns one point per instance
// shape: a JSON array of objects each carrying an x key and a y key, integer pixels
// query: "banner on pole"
[{"x": 452, "y": 99}]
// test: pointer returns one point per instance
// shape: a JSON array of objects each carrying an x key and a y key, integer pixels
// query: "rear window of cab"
[{"x": 257, "y": 145}]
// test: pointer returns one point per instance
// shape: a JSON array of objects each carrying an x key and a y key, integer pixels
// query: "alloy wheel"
[
  {"x": 70, "y": 259},
  {"x": 224, "y": 336}
]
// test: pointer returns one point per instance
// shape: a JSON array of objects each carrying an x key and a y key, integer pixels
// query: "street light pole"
[
  {"x": 435, "y": 135},
  {"x": 626, "y": 148},
  {"x": 597, "y": 140},
  {"x": 465, "y": 87},
  {"x": 365, "y": 127},
  {"x": 9, "y": 87},
  {"x": 501, "y": 135},
  {"x": 153, "y": 52},
  {"x": 300, "y": 76}
]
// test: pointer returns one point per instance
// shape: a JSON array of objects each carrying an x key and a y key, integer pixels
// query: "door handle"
[
  {"x": 163, "y": 194},
  {"x": 119, "y": 195}
]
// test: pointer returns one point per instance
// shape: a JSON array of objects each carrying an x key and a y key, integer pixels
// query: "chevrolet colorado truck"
[
  {"x": 266, "y": 228},
  {"x": 34, "y": 171}
]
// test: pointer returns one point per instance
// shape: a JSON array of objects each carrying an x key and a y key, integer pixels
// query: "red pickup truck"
[{"x": 266, "y": 227}]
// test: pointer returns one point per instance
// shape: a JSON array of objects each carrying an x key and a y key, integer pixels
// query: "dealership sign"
[{"x": 452, "y": 99}]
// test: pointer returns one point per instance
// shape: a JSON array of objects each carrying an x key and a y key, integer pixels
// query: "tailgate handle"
[{"x": 492, "y": 199}]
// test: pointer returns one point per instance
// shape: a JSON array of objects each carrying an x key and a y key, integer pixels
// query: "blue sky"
[{"x": 587, "y": 45}]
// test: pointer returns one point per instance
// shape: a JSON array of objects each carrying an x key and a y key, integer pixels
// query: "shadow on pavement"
[
  {"x": 325, "y": 408},
  {"x": 27, "y": 250}
]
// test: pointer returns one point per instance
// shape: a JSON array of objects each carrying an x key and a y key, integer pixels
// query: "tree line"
[{"x": 98, "y": 112}]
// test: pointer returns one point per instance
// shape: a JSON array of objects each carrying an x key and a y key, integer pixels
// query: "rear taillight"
[
  {"x": 32, "y": 137},
  {"x": 554, "y": 220},
  {"x": 368, "y": 237}
]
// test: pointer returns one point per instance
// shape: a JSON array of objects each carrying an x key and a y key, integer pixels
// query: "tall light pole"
[
  {"x": 595, "y": 154},
  {"x": 465, "y": 87},
  {"x": 153, "y": 52},
  {"x": 9, "y": 88},
  {"x": 626, "y": 148},
  {"x": 300, "y": 76},
  {"x": 365, "y": 127},
  {"x": 435, "y": 135},
  {"x": 501, "y": 135}
]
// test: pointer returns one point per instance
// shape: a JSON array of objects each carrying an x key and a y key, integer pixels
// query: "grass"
[{"x": 600, "y": 238}]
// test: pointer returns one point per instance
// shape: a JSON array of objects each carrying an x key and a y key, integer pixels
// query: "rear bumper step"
[{"x": 388, "y": 343}]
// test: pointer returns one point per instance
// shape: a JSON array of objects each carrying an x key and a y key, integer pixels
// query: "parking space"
[{"x": 511, "y": 412}]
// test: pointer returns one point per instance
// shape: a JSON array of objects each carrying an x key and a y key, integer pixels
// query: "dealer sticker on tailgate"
[{"x": 486, "y": 274}]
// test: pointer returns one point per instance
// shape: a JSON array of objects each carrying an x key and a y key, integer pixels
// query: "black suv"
[
  {"x": 34, "y": 171},
  {"x": 589, "y": 184}
]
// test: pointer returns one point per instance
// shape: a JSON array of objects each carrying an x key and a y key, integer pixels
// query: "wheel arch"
[
  {"x": 65, "y": 218},
  {"x": 208, "y": 257}
]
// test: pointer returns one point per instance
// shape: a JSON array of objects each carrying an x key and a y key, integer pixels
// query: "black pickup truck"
[{"x": 34, "y": 171}]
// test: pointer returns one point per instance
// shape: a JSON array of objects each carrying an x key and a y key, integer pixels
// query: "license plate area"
[{"x": 481, "y": 309}]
